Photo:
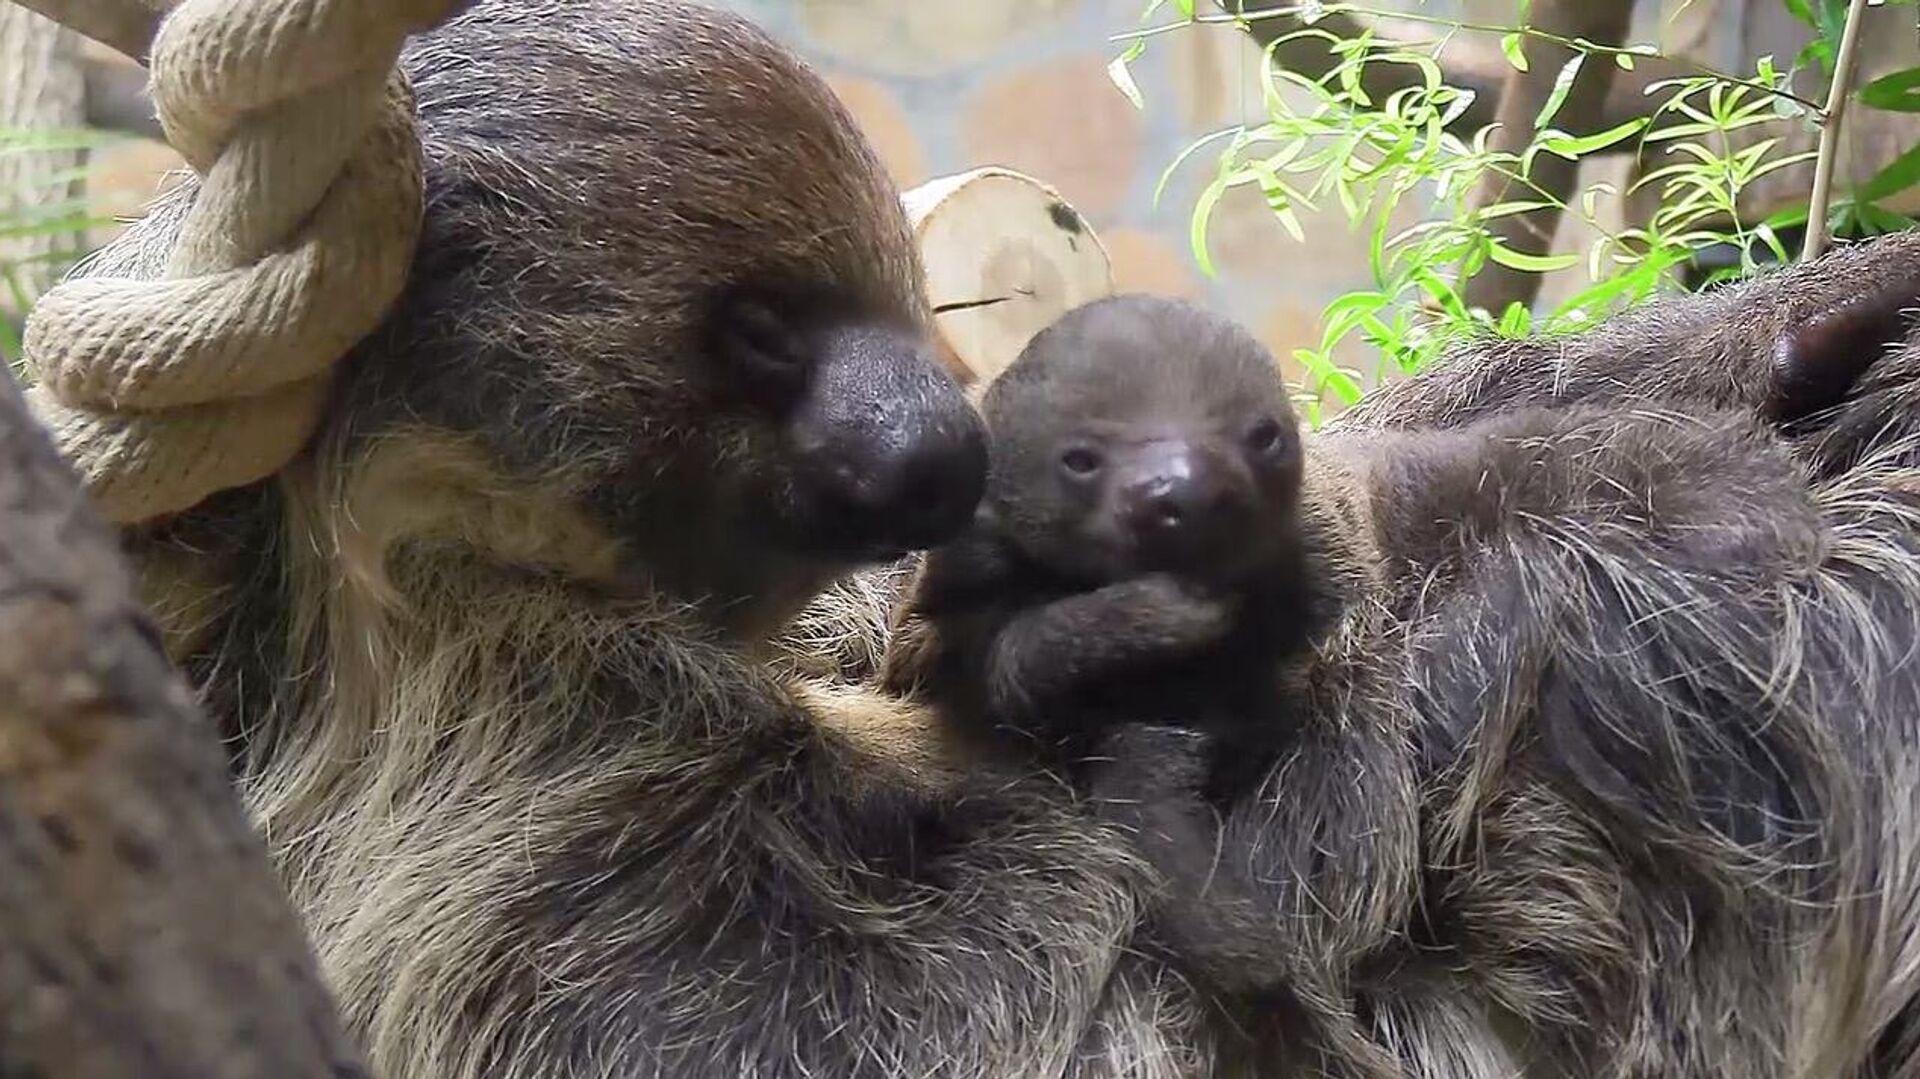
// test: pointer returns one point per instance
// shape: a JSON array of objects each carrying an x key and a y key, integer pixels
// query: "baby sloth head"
[{"x": 1139, "y": 434}]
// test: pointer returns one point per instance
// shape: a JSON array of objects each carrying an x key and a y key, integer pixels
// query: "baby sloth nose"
[{"x": 1179, "y": 501}]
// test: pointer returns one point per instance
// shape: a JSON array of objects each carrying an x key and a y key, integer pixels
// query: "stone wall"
[
  {"x": 946, "y": 85},
  {"x": 943, "y": 87}
]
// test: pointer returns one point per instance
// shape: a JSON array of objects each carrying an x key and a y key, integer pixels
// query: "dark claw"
[{"x": 1817, "y": 363}]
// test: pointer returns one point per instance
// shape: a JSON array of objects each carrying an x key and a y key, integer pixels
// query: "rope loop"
[{"x": 164, "y": 391}]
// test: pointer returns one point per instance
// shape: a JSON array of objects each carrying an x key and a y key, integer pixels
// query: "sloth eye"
[
  {"x": 764, "y": 356},
  {"x": 762, "y": 338},
  {"x": 1080, "y": 461},
  {"x": 1264, "y": 436}
]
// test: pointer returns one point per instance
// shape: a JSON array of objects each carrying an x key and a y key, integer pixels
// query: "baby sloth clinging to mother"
[
  {"x": 1133, "y": 607},
  {"x": 1138, "y": 556}
]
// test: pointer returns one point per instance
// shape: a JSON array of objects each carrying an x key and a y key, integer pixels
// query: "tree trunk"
[
  {"x": 142, "y": 930},
  {"x": 42, "y": 85},
  {"x": 1524, "y": 94},
  {"x": 125, "y": 25}
]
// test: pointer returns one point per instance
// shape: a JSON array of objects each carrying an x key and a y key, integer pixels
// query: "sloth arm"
[
  {"x": 1045, "y": 652},
  {"x": 1787, "y": 344},
  {"x": 1028, "y": 655},
  {"x": 704, "y": 854}
]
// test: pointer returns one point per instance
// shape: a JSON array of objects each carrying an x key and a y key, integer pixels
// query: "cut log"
[{"x": 1005, "y": 256}]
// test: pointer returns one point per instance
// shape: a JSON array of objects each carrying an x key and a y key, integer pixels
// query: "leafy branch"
[{"x": 1375, "y": 123}]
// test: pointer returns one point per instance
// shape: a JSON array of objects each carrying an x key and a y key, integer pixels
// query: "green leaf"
[
  {"x": 15, "y": 348},
  {"x": 1520, "y": 260},
  {"x": 1202, "y": 214},
  {"x": 1457, "y": 103},
  {"x": 1327, "y": 376},
  {"x": 1871, "y": 220},
  {"x": 1624, "y": 60},
  {"x": 12, "y": 353},
  {"x": 1184, "y": 7},
  {"x": 1508, "y": 209},
  {"x": 1789, "y": 218},
  {"x": 1442, "y": 293},
  {"x": 1510, "y": 44},
  {"x": 1817, "y": 53},
  {"x": 40, "y": 140},
  {"x": 1166, "y": 174},
  {"x": 1832, "y": 18},
  {"x": 1573, "y": 147},
  {"x": 1896, "y": 177},
  {"x": 1562, "y": 84},
  {"x": 1598, "y": 298},
  {"x": 1516, "y": 321},
  {"x": 1771, "y": 239},
  {"x": 1897, "y": 92}
]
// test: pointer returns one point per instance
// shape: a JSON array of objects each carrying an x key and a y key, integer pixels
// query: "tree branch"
[
  {"x": 126, "y": 26},
  {"x": 1830, "y": 121},
  {"x": 142, "y": 930},
  {"x": 1552, "y": 179},
  {"x": 1467, "y": 61}
]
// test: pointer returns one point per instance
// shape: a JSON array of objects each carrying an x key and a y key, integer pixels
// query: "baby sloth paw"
[{"x": 1172, "y": 613}]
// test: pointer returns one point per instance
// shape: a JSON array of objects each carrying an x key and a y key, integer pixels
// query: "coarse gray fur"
[
  {"x": 1646, "y": 608},
  {"x": 497, "y": 657},
  {"x": 499, "y": 661}
]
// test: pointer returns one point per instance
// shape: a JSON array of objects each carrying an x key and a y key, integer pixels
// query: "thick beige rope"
[{"x": 162, "y": 392}]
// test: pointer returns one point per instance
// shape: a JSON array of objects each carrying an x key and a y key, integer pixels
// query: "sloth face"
[{"x": 1138, "y": 435}]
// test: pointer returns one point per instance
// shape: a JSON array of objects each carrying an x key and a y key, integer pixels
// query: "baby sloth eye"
[
  {"x": 1264, "y": 436},
  {"x": 1080, "y": 461}
]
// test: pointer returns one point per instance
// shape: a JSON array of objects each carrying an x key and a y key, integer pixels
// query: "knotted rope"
[{"x": 162, "y": 392}]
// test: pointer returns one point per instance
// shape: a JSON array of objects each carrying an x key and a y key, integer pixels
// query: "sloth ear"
[{"x": 1816, "y": 363}]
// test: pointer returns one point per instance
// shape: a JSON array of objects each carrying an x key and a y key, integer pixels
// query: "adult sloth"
[{"x": 495, "y": 658}]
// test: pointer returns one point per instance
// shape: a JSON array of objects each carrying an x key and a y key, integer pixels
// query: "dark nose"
[
  {"x": 1179, "y": 500},
  {"x": 913, "y": 486},
  {"x": 894, "y": 456}
]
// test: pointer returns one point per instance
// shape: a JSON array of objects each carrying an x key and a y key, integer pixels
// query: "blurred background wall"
[{"x": 946, "y": 85}]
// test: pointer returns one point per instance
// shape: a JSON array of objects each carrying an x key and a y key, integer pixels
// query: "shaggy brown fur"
[
  {"x": 1635, "y": 676},
  {"x": 1137, "y": 544},
  {"x": 497, "y": 657},
  {"x": 498, "y": 665},
  {"x": 1139, "y": 561},
  {"x": 1656, "y": 669}
]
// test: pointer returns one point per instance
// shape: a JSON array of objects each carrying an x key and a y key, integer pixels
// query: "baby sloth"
[{"x": 1137, "y": 557}]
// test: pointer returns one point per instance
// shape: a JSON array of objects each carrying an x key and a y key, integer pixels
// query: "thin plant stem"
[
  {"x": 1452, "y": 25},
  {"x": 1830, "y": 120}
]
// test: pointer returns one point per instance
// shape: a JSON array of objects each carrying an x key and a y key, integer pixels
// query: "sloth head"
[
  {"x": 678, "y": 304},
  {"x": 1140, "y": 434}
]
